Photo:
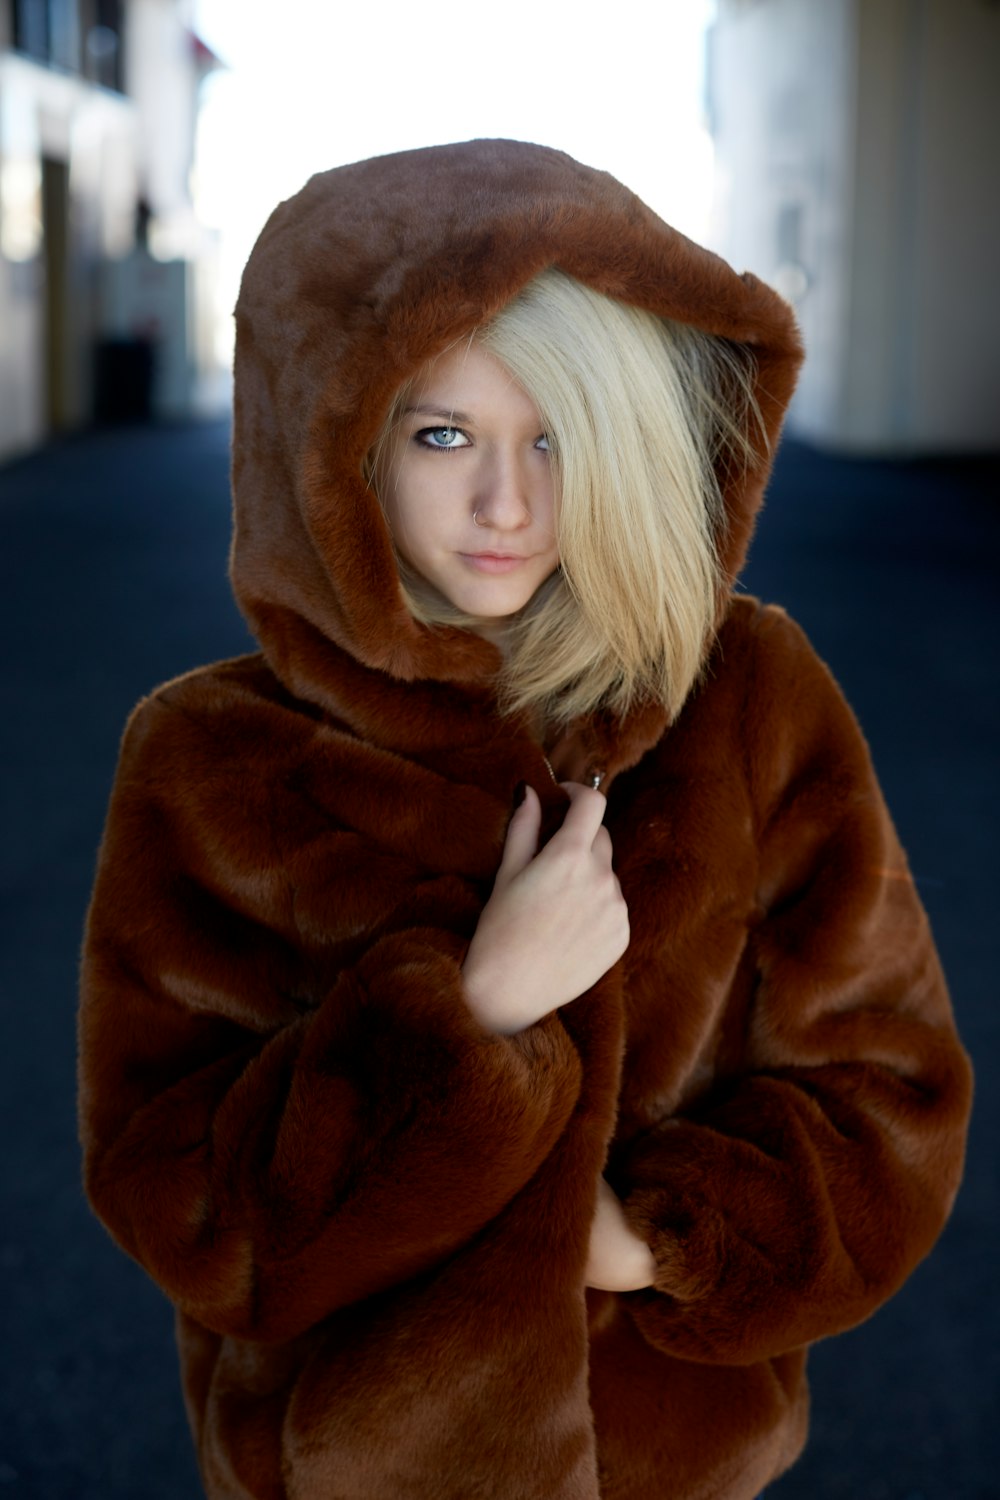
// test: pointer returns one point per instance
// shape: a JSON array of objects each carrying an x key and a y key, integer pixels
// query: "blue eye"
[
  {"x": 543, "y": 443},
  {"x": 442, "y": 437}
]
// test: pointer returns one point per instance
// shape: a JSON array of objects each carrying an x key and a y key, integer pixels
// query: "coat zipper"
[{"x": 594, "y": 778}]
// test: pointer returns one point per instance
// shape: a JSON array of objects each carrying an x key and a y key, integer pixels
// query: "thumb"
[{"x": 522, "y": 838}]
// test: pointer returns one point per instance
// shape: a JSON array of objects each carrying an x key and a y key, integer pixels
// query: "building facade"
[
  {"x": 856, "y": 146},
  {"x": 103, "y": 266}
]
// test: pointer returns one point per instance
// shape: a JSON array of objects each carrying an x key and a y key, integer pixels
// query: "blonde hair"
[{"x": 641, "y": 414}]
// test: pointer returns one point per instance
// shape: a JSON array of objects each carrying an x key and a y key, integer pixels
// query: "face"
[{"x": 468, "y": 488}]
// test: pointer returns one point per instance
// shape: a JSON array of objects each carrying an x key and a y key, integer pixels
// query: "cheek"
[
  {"x": 430, "y": 496},
  {"x": 549, "y": 505},
  {"x": 417, "y": 513},
  {"x": 395, "y": 513},
  {"x": 400, "y": 501},
  {"x": 550, "y": 524}
]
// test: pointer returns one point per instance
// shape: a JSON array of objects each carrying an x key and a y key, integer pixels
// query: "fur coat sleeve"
[
  {"x": 789, "y": 1198},
  {"x": 289, "y": 1105}
]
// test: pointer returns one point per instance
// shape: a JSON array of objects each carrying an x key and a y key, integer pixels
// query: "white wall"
[
  {"x": 874, "y": 121},
  {"x": 781, "y": 72},
  {"x": 162, "y": 80},
  {"x": 46, "y": 113}
]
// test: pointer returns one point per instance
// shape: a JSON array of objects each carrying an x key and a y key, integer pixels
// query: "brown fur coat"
[{"x": 372, "y": 1215}]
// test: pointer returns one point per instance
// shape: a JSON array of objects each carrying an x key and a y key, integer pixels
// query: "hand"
[
  {"x": 556, "y": 921},
  {"x": 619, "y": 1261}
]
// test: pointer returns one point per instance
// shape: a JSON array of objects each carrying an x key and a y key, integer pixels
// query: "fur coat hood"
[
  {"x": 353, "y": 285},
  {"x": 372, "y": 1215}
]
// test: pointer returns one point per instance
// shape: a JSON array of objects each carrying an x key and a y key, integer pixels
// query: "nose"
[{"x": 503, "y": 497}]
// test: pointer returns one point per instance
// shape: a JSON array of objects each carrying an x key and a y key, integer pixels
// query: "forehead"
[{"x": 470, "y": 380}]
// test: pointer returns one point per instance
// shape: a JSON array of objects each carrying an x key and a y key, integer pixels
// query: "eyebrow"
[{"x": 446, "y": 413}]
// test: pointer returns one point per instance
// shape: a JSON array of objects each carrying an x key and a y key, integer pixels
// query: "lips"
[{"x": 493, "y": 562}]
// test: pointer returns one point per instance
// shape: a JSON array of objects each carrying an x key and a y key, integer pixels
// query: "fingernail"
[{"x": 519, "y": 791}]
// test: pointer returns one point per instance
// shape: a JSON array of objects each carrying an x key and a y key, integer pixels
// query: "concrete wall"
[
  {"x": 856, "y": 144},
  {"x": 954, "y": 391}
]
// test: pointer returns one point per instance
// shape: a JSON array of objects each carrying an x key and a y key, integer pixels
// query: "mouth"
[{"x": 493, "y": 562}]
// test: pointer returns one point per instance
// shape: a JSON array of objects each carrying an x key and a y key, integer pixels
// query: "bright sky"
[{"x": 311, "y": 85}]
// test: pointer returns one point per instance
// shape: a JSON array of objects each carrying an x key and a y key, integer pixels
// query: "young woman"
[{"x": 510, "y": 1033}]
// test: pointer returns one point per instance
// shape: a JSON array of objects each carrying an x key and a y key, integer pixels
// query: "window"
[
  {"x": 31, "y": 28},
  {"x": 79, "y": 36}
]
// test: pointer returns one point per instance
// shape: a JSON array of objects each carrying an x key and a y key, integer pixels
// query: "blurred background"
[{"x": 845, "y": 151}]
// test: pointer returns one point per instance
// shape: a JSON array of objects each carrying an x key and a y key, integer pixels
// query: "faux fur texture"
[{"x": 372, "y": 1215}]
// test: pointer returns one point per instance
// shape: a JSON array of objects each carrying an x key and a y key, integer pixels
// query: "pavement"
[{"x": 113, "y": 551}]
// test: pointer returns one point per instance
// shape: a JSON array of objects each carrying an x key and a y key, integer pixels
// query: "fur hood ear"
[{"x": 354, "y": 283}]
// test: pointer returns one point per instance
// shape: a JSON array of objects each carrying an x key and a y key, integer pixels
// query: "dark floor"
[{"x": 113, "y": 551}]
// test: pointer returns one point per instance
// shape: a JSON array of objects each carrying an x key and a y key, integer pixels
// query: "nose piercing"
[{"x": 477, "y": 522}]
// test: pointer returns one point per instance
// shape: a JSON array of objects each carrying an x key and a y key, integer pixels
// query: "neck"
[{"x": 496, "y": 632}]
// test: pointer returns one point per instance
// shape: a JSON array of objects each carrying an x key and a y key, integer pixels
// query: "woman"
[{"x": 493, "y": 1138}]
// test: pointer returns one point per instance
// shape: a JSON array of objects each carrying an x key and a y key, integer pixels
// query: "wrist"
[{"x": 482, "y": 996}]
